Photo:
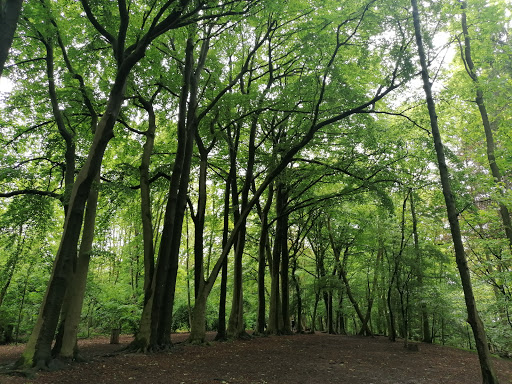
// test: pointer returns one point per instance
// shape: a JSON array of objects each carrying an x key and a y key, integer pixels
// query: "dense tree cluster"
[{"x": 275, "y": 166}]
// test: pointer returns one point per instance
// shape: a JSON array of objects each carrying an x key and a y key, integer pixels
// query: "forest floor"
[{"x": 318, "y": 358}]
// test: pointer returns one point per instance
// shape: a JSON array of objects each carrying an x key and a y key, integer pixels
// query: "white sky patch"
[{"x": 6, "y": 85}]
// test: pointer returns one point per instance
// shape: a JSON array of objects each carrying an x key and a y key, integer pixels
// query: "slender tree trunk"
[
  {"x": 489, "y": 139},
  {"x": 199, "y": 219},
  {"x": 298, "y": 295},
  {"x": 189, "y": 294},
  {"x": 315, "y": 308},
  {"x": 221, "y": 331},
  {"x": 22, "y": 304},
  {"x": 488, "y": 374},
  {"x": 373, "y": 291},
  {"x": 262, "y": 261},
  {"x": 340, "y": 314},
  {"x": 285, "y": 266},
  {"x": 364, "y": 324},
  {"x": 391, "y": 323},
  {"x": 329, "y": 312},
  {"x": 425, "y": 327},
  {"x": 236, "y": 326}
]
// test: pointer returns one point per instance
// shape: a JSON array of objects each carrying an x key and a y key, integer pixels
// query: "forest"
[{"x": 254, "y": 165}]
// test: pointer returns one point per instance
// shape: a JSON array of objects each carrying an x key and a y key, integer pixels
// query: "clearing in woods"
[{"x": 318, "y": 358}]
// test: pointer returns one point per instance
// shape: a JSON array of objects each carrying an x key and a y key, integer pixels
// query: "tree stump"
[{"x": 114, "y": 336}]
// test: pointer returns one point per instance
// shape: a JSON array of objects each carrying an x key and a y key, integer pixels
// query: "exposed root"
[
  {"x": 29, "y": 373},
  {"x": 244, "y": 336},
  {"x": 221, "y": 337},
  {"x": 42, "y": 365},
  {"x": 198, "y": 341}
]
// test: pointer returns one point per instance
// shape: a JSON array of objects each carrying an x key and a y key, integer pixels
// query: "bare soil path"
[{"x": 318, "y": 358}]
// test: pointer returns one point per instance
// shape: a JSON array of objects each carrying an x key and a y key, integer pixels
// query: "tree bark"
[
  {"x": 167, "y": 264},
  {"x": 145, "y": 199},
  {"x": 285, "y": 264},
  {"x": 263, "y": 246},
  {"x": 276, "y": 321},
  {"x": 221, "y": 330},
  {"x": 10, "y": 11},
  {"x": 299, "y": 297},
  {"x": 488, "y": 374},
  {"x": 236, "y": 326},
  {"x": 391, "y": 323},
  {"x": 425, "y": 327},
  {"x": 73, "y": 301},
  {"x": 235, "y": 323}
]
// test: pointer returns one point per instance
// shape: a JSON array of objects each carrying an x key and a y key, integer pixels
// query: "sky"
[{"x": 5, "y": 87}]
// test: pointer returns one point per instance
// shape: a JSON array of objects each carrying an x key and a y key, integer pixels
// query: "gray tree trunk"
[{"x": 9, "y": 13}]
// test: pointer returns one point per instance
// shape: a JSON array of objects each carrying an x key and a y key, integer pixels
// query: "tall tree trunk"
[
  {"x": 73, "y": 301},
  {"x": 145, "y": 198},
  {"x": 221, "y": 331},
  {"x": 197, "y": 324},
  {"x": 315, "y": 309},
  {"x": 425, "y": 327},
  {"x": 373, "y": 290},
  {"x": 298, "y": 295},
  {"x": 489, "y": 139},
  {"x": 262, "y": 261},
  {"x": 169, "y": 250},
  {"x": 9, "y": 13},
  {"x": 364, "y": 323},
  {"x": 276, "y": 321},
  {"x": 341, "y": 329},
  {"x": 168, "y": 257},
  {"x": 199, "y": 217},
  {"x": 391, "y": 312},
  {"x": 285, "y": 265},
  {"x": 488, "y": 374},
  {"x": 236, "y": 326}
]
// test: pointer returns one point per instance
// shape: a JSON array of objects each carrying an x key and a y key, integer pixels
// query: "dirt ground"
[{"x": 318, "y": 358}]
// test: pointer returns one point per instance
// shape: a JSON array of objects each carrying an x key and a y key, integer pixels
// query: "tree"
[
  {"x": 474, "y": 320},
  {"x": 38, "y": 350}
]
